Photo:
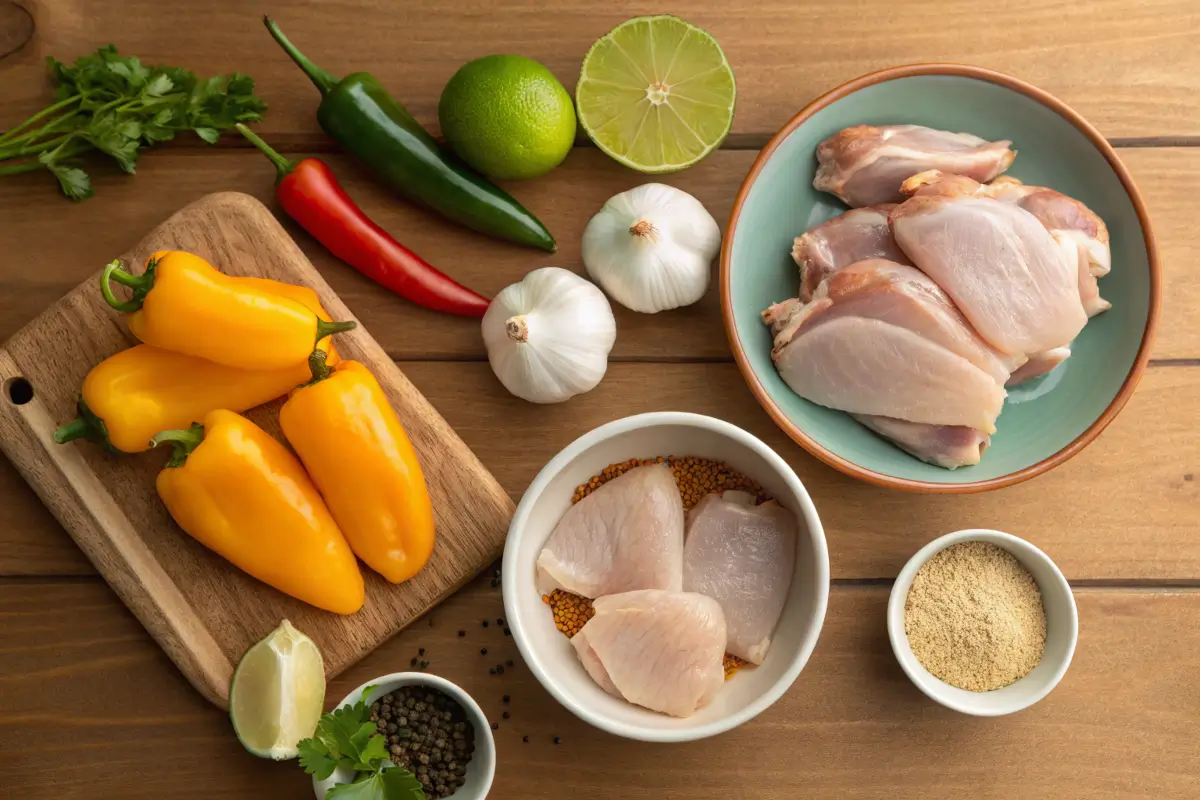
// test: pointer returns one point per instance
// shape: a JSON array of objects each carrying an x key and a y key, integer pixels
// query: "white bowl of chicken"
[
  {"x": 941, "y": 279},
  {"x": 680, "y": 580}
]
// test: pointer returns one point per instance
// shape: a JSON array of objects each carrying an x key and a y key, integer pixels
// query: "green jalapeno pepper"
[{"x": 359, "y": 113}]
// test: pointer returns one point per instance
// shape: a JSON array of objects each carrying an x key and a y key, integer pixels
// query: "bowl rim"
[
  {"x": 485, "y": 741},
  {"x": 908, "y": 484},
  {"x": 816, "y": 533},
  {"x": 1024, "y": 551}
]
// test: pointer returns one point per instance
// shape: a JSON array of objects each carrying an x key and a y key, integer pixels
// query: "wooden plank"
[
  {"x": 784, "y": 52},
  {"x": 125, "y": 208},
  {"x": 1134, "y": 494},
  {"x": 1120, "y": 725},
  {"x": 203, "y": 612}
]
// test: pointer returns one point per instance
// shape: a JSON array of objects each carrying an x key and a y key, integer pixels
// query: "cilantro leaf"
[
  {"x": 368, "y": 787},
  {"x": 315, "y": 758},
  {"x": 210, "y": 135},
  {"x": 400, "y": 784},
  {"x": 74, "y": 182},
  {"x": 373, "y": 752}
]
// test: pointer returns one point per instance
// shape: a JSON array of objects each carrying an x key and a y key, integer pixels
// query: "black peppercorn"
[
  {"x": 485, "y": 623},
  {"x": 504, "y": 715},
  {"x": 421, "y": 651},
  {"x": 505, "y": 699},
  {"x": 483, "y": 651},
  {"x": 495, "y": 726},
  {"x": 500, "y": 621},
  {"x": 525, "y": 739},
  {"x": 412, "y": 663},
  {"x": 557, "y": 740},
  {"x": 462, "y": 633},
  {"x": 508, "y": 663}
]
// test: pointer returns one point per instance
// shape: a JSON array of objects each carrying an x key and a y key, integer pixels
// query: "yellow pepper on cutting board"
[
  {"x": 352, "y": 444},
  {"x": 239, "y": 492},
  {"x": 181, "y": 303}
]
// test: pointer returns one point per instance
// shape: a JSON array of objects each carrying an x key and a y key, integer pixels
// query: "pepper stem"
[
  {"x": 320, "y": 78},
  {"x": 77, "y": 428},
  {"x": 517, "y": 328},
  {"x": 141, "y": 285},
  {"x": 184, "y": 441},
  {"x": 283, "y": 167},
  {"x": 317, "y": 366},
  {"x": 329, "y": 328}
]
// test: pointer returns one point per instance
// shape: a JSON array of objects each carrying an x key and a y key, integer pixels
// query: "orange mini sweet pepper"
[
  {"x": 239, "y": 492},
  {"x": 352, "y": 444},
  {"x": 130, "y": 396},
  {"x": 181, "y": 303}
]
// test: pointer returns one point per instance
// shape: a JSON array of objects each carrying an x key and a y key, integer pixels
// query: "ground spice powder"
[
  {"x": 974, "y": 617},
  {"x": 696, "y": 478}
]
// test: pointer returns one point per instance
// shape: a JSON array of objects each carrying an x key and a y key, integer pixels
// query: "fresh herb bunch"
[
  {"x": 346, "y": 737},
  {"x": 117, "y": 105}
]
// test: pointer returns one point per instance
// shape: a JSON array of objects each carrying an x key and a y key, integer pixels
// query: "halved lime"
[
  {"x": 277, "y": 693},
  {"x": 656, "y": 93}
]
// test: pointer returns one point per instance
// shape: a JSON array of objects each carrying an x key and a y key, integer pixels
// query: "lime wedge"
[
  {"x": 656, "y": 93},
  {"x": 277, "y": 693}
]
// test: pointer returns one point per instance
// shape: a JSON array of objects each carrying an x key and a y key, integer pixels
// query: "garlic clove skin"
[
  {"x": 651, "y": 248},
  {"x": 548, "y": 337}
]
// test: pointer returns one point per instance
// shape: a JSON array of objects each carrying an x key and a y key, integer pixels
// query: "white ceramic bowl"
[
  {"x": 550, "y": 655},
  {"x": 1062, "y": 629},
  {"x": 482, "y": 767}
]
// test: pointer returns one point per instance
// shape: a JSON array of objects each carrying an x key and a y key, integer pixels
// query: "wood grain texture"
[
  {"x": 784, "y": 52},
  {"x": 565, "y": 200},
  {"x": 1120, "y": 725},
  {"x": 203, "y": 611},
  {"x": 1133, "y": 495}
]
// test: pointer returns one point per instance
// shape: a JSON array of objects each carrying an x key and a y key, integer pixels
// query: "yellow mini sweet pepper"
[
  {"x": 181, "y": 303},
  {"x": 239, "y": 492},
  {"x": 129, "y": 397},
  {"x": 352, "y": 444}
]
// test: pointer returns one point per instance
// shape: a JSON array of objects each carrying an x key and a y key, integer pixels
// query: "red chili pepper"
[{"x": 310, "y": 194}]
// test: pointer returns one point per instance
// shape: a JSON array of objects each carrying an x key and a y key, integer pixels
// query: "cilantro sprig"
[
  {"x": 346, "y": 737},
  {"x": 117, "y": 105}
]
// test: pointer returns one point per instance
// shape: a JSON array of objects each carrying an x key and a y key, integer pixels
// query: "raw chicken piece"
[
  {"x": 1000, "y": 265},
  {"x": 857, "y": 235},
  {"x": 626, "y": 535},
  {"x": 1076, "y": 227},
  {"x": 949, "y": 446},
  {"x": 897, "y": 294},
  {"x": 742, "y": 555},
  {"x": 1039, "y": 364},
  {"x": 661, "y": 650},
  {"x": 865, "y": 165}
]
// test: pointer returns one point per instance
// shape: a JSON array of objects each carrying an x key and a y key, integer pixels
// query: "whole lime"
[{"x": 508, "y": 117}]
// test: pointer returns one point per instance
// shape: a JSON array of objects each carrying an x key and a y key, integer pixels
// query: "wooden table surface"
[{"x": 89, "y": 706}]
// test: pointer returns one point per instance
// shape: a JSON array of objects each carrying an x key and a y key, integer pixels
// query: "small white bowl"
[
  {"x": 481, "y": 769},
  {"x": 550, "y": 655},
  {"x": 1062, "y": 629}
]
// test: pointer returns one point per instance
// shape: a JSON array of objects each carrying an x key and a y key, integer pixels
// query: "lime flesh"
[
  {"x": 656, "y": 93},
  {"x": 277, "y": 693}
]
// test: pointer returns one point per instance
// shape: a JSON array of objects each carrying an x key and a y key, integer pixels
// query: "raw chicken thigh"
[
  {"x": 626, "y": 535},
  {"x": 949, "y": 446},
  {"x": 881, "y": 338},
  {"x": 741, "y": 555},
  {"x": 865, "y": 165},
  {"x": 857, "y": 235},
  {"x": 999, "y": 263},
  {"x": 1076, "y": 228},
  {"x": 661, "y": 650},
  {"x": 1039, "y": 364}
]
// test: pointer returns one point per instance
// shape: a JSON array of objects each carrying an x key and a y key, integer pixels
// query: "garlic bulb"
[
  {"x": 548, "y": 337},
  {"x": 651, "y": 248}
]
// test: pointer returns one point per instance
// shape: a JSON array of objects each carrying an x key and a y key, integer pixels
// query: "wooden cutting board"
[{"x": 203, "y": 611}]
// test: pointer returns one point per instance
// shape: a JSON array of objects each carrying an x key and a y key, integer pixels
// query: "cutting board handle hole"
[{"x": 18, "y": 390}]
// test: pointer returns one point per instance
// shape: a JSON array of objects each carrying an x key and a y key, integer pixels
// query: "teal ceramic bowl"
[{"x": 1044, "y": 422}]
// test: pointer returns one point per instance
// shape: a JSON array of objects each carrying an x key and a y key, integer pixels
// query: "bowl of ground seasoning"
[
  {"x": 434, "y": 729},
  {"x": 705, "y": 456},
  {"x": 983, "y": 622}
]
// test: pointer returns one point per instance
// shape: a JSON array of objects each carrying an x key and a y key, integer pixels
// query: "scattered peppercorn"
[
  {"x": 492, "y": 671},
  {"x": 506, "y": 698},
  {"x": 500, "y": 621},
  {"x": 504, "y": 715},
  {"x": 495, "y": 726},
  {"x": 508, "y": 663},
  {"x": 558, "y": 740},
  {"x": 525, "y": 739},
  {"x": 462, "y": 633},
  {"x": 428, "y": 733},
  {"x": 483, "y": 651},
  {"x": 499, "y": 669},
  {"x": 485, "y": 623},
  {"x": 412, "y": 663},
  {"x": 424, "y": 663},
  {"x": 421, "y": 651},
  {"x": 507, "y": 632}
]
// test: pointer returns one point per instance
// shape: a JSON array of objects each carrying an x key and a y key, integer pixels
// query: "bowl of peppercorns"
[{"x": 433, "y": 729}]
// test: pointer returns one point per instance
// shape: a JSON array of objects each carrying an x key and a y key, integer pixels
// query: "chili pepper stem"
[
  {"x": 184, "y": 441},
  {"x": 141, "y": 284},
  {"x": 282, "y": 166},
  {"x": 329, "y": 328},
  {"x": 320, "y": 78}
]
